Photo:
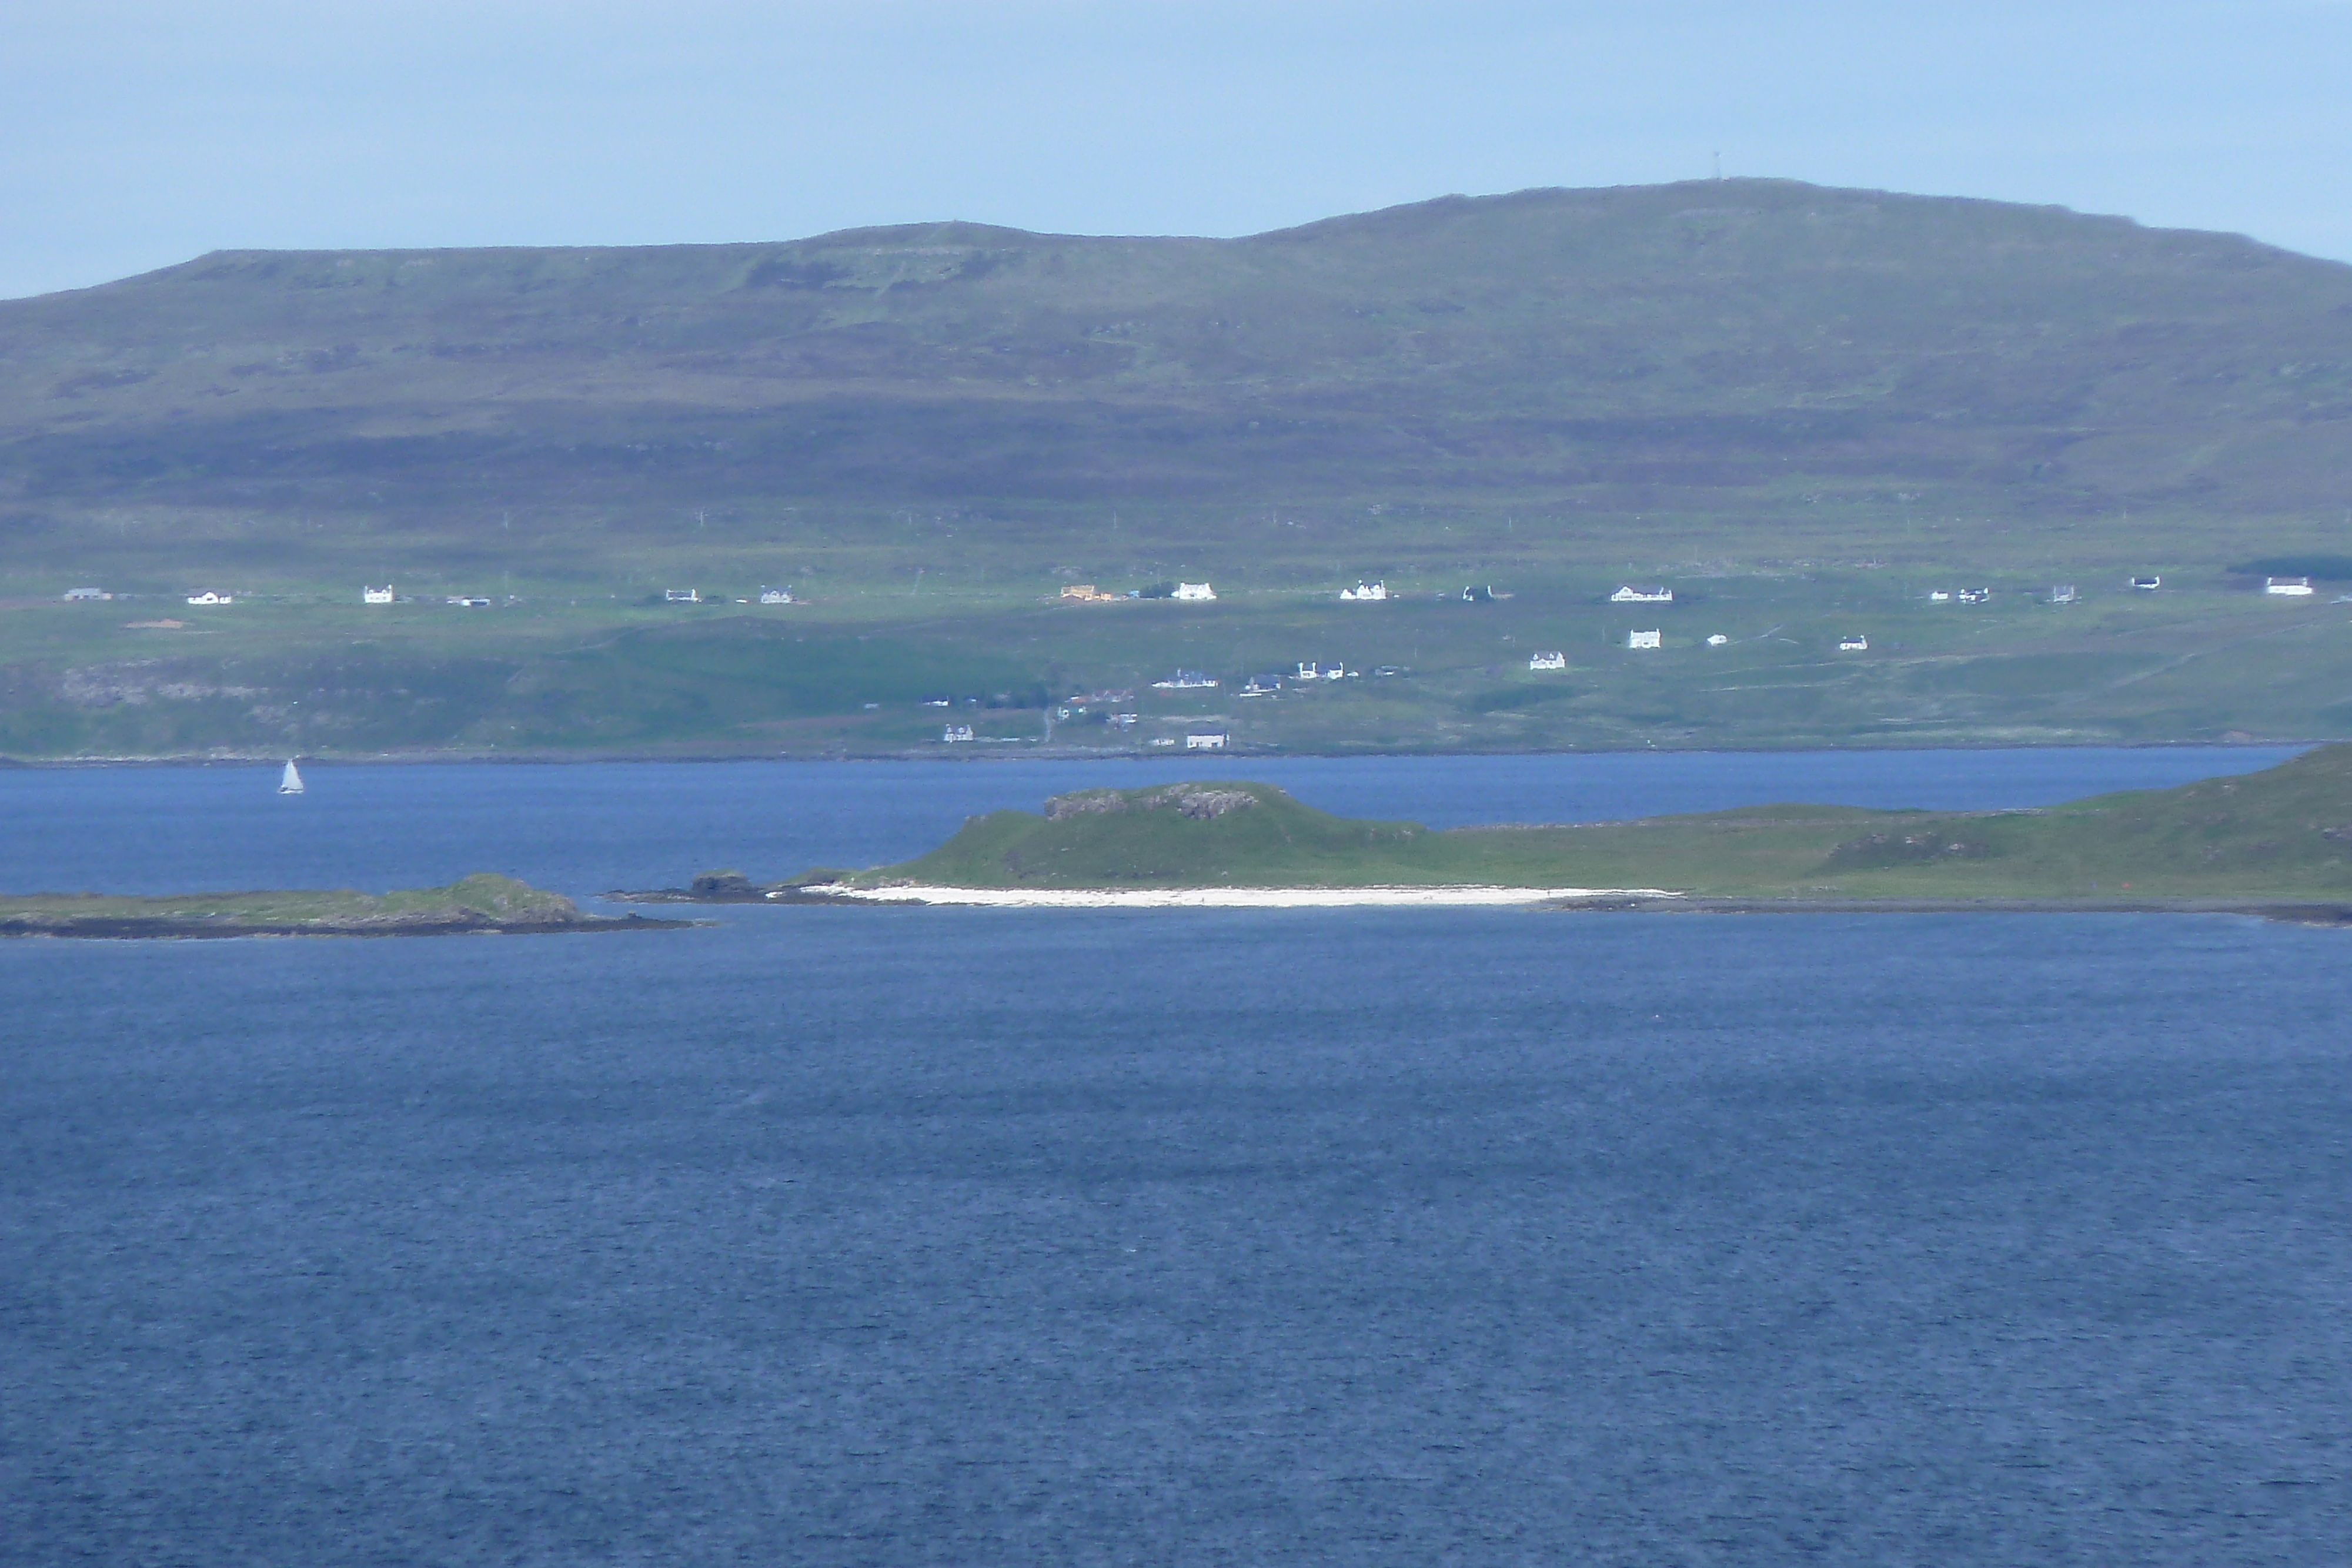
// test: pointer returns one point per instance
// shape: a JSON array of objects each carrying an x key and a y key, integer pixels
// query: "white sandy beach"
[{"x": 1230, "y": 898}]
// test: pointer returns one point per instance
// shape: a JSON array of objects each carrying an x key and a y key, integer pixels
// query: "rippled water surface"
[{"x": 910, "y": 1235}]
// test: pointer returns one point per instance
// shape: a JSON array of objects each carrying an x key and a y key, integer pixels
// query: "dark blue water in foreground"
[{"x": 977, "y": 1236}]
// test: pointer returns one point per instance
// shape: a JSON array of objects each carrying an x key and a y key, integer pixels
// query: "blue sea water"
[{"x": 910, "y": 1235}]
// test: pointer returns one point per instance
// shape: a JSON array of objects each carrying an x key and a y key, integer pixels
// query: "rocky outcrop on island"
[{"x": 1202, "y": 803}]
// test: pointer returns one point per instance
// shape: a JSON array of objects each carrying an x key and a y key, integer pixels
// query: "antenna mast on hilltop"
[{"x": 1718, "y": 163}]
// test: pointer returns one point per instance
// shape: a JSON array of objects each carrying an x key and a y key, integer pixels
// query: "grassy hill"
[
  {"x": 1803, "y": 406},
  {"x": 2283, "y": 833},
  {"x": 1636, "y": 350}
]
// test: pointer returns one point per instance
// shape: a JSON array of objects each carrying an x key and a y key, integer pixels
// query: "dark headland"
[
  {"x": 482, "y": 904},
  {"x": 2277, "y": 842}
]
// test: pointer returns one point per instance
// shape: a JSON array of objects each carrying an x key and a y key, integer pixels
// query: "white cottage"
[
  {"x": 375, "y": 595},
  {"x": 1195, "y": 590},
  {"x": 1205, "y": 742},
  {"x": 1633, "y": 593},
  {"x": 1650, "y": 639},
  {"x": 1554, "y": 660}
]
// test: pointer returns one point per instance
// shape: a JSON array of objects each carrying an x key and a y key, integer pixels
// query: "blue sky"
[{"x": 134, "y": 134}]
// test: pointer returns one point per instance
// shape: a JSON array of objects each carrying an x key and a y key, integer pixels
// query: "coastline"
[
  {"x": 485, "y": 904},
  {"x": 562, "y": 756},
  {"x": 1548, "y": 900},
  {"x": 2298, "y": 912},
  {"x": 1460, "y": 897},
  {"x": 132, "y": 928}
]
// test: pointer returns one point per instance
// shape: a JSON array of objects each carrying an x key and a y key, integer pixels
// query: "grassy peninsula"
[
  {"x": 2279, "y": 836},
  {"x": 484, "y": 903}
]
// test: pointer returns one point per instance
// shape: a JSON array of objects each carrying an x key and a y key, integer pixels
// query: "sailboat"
[{"x": 290, "y": 781}]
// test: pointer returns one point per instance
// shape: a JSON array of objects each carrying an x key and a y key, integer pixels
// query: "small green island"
[
  {"x": 2277, "y": 842},
  {"x": 483, "y": 903}
]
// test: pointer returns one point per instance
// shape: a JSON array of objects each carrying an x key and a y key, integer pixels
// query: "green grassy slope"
[
  {"x": 2285, "y": 832},
  {"x": 1180, "y": 835},
  {"x": 2204, "y": 660}
]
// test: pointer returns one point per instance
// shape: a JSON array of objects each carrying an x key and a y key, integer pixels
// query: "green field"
[
  {"x": 2281, "y": 834},
  {"x": 857, "y": 671}
]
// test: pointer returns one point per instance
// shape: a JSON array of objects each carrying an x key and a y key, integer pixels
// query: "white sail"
[{"x": 290, "y": 782}]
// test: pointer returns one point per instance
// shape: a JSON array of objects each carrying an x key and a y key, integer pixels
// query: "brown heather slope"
[{"x": 1701, "y": 346}]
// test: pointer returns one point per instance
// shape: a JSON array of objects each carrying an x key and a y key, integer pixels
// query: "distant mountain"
[{"x": 1724, "y": 340}]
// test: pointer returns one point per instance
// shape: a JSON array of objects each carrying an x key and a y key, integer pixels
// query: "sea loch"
[{"x": 908, "y": 1236}]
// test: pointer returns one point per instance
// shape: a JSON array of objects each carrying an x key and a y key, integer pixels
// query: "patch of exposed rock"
[{"x": 1200, "y": 801}]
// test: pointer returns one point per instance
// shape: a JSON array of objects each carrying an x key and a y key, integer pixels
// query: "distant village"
[
  {"x": 1309, "y": 673},
  {"x": 1113, "y": 709},
  {"x": 1362, "y": 592}
]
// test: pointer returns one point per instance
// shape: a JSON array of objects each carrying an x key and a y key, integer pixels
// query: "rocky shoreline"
[
  {"x": 484, "y": 904},
  {"x": 118, "y": 927}
]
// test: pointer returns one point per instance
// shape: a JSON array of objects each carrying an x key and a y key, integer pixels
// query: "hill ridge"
[{"x": 1601, "y": 357}]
